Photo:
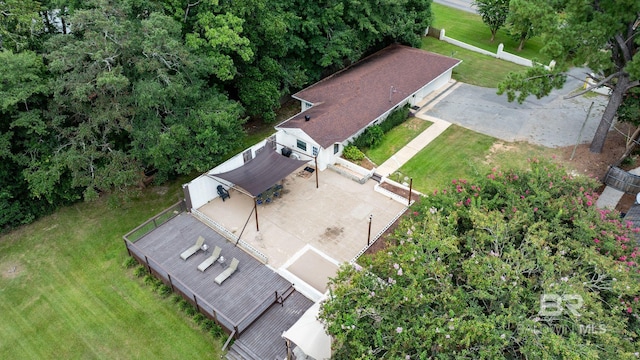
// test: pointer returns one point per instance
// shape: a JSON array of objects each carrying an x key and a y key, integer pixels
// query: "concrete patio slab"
[{"x": 333, "y": 218}]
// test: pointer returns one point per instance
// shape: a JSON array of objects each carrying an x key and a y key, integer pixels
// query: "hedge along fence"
[
  {"x": 622, "y": 180},
  {"x": 372, "y": 136},
  {"x": 499, "y": 54}
]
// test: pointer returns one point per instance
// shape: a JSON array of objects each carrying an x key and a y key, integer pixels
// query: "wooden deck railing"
[
  {"x": 155, "y": 221},
  {"x": 178, "y": 286},
  {"x": 234, "y": 328}
]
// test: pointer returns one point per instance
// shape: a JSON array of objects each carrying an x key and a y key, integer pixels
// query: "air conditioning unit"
[{"x": 295, "y": 156}]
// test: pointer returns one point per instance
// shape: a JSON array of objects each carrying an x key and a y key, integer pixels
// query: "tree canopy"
[
  {"x": 494, "y": 14},
  {"x": 94, "y": 94},
  {"x": 517, "y": 264},
  {"x": 603, "y": 36}
]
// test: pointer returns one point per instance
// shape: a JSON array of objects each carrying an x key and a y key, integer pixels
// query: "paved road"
[
  {"x": 464, "y": 5},
  {"x": 551, "y": 121}
]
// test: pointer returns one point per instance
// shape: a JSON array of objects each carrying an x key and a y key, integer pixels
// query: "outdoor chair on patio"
[
  {"x": 193, "y": 249},
  {"x": 228, "y": 272},
  {"x": 223, "y": 193},
  {"x": 210, "y": 260}
]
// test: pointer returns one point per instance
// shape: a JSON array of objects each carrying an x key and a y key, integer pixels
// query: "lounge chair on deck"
[
  {"x": 193, "y": 249},
  {"x": 211, "y": 259},
  {"x": 230, "y": 270}
]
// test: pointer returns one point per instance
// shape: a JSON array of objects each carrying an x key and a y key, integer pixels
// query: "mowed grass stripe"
[
  {"x": 456, "y": 153},
  {"x": 469, "y": 28},
  {"x": 396, "y": 138},
  {"x": 70, "y": 297},
  {"x": 475, "y": 69}
]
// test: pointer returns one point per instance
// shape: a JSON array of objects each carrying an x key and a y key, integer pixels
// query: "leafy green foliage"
[
  {"x": 370, "y": 138},
  {"x": 394, "y": 119},
  {"x": 629, "y": 110},
  {"x": 95, "y": 93},
  {"x": 494, "y": 14},
  {"x": 352, "y": 153},
  {"x": 525, "y": 18},
  {"x": 468, "y": 266},
  {"x": 602, "y": 36},
  {"x": 20, "y": 24},
  {"x": 535, "y": 80}
]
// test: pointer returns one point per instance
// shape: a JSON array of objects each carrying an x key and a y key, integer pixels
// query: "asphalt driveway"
[{"x": 551, "y": 121}]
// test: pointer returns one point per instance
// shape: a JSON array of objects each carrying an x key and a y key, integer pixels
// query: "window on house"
[
  {"x": 336, "y": 148},
  {"x": 315, "y": 151},
  {"x": 301, "y": 145}
]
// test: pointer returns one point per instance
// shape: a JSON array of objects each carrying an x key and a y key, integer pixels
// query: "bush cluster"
[
  {"x": 352, "y": 153},
  {"x": 373, "y": 135},
  {"x": 470, "y": 264}
]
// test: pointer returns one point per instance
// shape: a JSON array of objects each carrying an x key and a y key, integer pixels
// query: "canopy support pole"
[
  {"x": 255, "y": 208},
  {"x": 316, "y": 159}
]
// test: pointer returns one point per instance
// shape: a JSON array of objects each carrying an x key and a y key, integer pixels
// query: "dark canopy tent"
[{"x": 262, "y": 172}]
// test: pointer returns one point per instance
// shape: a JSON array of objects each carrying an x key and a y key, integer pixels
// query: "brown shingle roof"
[{"x": 347, "y": 101}]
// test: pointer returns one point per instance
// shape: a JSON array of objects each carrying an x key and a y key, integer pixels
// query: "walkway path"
[
  {"x": 419, "y": 142},
  {"x": 411, "y": 149}
]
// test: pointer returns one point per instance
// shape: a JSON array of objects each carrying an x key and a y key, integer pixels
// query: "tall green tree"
[
  {"x": 603, "y": 36},
  {"x": 526, "y": 18},
  {"x": 129, "y": 95},
  {"x": 23, "y": 136},
  {"x": 479, "y": 269},
  {"x": 494, "y": 14},
  {"x": 20, "y": 24}
]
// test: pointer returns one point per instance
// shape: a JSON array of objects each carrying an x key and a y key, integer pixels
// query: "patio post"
[
  {"x": 410, "y": 190},
  {"x": 316, "y": 159},
  {"x": 369, "y": 234},
  {"x": 255, "y": 208}
]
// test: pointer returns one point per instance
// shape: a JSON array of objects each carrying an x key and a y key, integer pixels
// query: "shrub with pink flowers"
[{"x": 470, "y": 263}]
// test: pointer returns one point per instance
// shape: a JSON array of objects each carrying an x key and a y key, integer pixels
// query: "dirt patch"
[
  {"x": 399, "y": 191},
  {"x": 496, "y": 148},
  {"x": 595, "y": 165},
  {"x": 365, "y": 163},
  {"x": 384, "y": 240},
  {"x": 11, "y": 270},
  {"x": 625, "y": 203}
]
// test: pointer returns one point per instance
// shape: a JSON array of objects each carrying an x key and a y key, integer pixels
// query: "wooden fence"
[{"x": 622, "y": 180}]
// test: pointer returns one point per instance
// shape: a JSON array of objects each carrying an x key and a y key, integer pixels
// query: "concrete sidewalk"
[
  {"x": 419, "y": 142},
  {"x": 411, "y": 149}
]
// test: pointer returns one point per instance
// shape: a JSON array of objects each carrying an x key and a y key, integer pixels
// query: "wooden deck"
[
  {"x": 264, "y": 338},
  {"x": 251, "y": 285}
]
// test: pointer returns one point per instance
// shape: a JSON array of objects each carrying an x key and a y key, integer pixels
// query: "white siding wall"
[{"x": 204, "y": 188}]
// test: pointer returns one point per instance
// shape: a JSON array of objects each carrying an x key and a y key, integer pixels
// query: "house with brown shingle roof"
[{"x": 340, "y": 107}]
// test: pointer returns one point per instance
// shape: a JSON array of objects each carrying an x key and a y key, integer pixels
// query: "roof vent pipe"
[{"x": 307, "y": 118}]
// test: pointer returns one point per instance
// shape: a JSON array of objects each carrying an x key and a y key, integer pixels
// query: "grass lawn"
[
  {"x": 395, "y": 139},
  {"x": 64, "y": 292},
  {"x": 469, "y": 28},
  {"x": 456, "y": 153},
  {"x": 475, "y": 69},
  {"x": 460, "y": 153}
]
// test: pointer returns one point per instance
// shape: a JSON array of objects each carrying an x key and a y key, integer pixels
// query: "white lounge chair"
[
  {"x": 193, "y": 249},
  {"x": 230, "y": 270},
  {"x": 211, "y": 259}
]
